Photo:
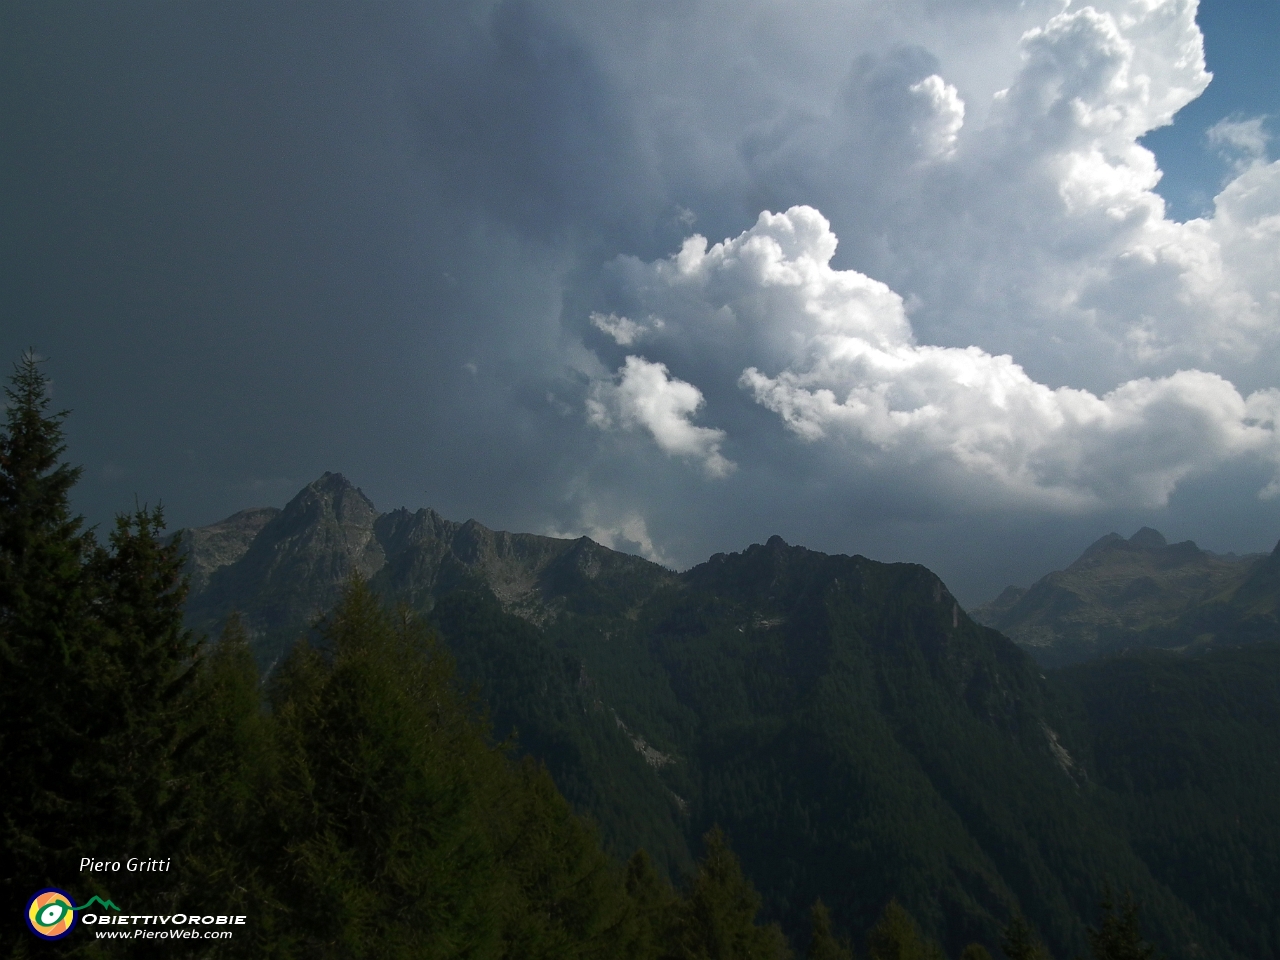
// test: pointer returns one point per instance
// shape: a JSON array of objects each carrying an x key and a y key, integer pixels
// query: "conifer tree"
[
  {"x": 718, "y": 915},
  {"x": 896, "y": 937},
  {"x": 1019, "y": 941},
  {"x": 563, "y": 896},
  {"x": 823, "y": 944},
  {"x": 46, "y": 625},
  {"x": 654, "y": 902},
  {"x": 93, "y": 664},
  {"x": 141, "y": 667},
  {"x": 377, "y": 843},
  {"x": 228, "y": 772},
  {"x": 1117, "y": 937}
]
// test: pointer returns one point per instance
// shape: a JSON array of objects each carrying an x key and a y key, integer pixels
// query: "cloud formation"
[
  {"x": 624, "y": 332},
  {"x": 944, "y": 116},
  {"x": 429, "y": 240},
  {"x": 1042, "y": 234},
  {"x": 645, "y": 395},
  {"x": 835, "y": 358},
  {"x": 627, "y": 532},
  {"x": 1241, "y": 142},
  {"x": 1034, "y": 238}
]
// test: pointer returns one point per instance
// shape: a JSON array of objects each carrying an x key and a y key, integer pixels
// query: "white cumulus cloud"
[
  {"x": 627, "y": 532},
  {"x": 1042, "y": 235},
  {"x": 1087, "y": 235},
  {"x": 1242, "y": 142},
  {"x": 644, "y": 394},
  {"x": 945, "y": 113},
  {"x": 623, "y": 330},
  {"x": 832, "y": 353}
]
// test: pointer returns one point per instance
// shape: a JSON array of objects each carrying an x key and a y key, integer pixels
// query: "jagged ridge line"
[{"x": 106, "y": 903}]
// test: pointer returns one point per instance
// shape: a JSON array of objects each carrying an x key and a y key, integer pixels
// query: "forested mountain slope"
[
  {"x": 355, "y": 805},
  {"x": 1187, "y": 750},
  {"x": 856, "y": 734}
]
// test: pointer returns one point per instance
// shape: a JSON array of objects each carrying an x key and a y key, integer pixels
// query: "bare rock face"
[
  {"x": 221, "y": 544},
  {"x": 430, "y": 556},
  {"x": 295, "y": 565},
  {"x": 280, "y": 569}
]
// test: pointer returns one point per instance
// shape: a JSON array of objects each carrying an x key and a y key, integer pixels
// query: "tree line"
[{"x": 353, "y": 805}]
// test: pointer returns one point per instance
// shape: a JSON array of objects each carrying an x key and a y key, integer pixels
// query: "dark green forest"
[
  {"x": 858, "y": 737},
  {"x": 778, "y": 753}
]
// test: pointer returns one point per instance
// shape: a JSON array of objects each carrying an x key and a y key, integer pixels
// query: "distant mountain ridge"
[
  {"x": 282, "y": 568},
  {"x": 1139, "y": 592},
  {"x": 854, "y": 731}
]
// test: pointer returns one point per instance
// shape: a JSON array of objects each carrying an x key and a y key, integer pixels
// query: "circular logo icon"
[{"x": 50, "y": 914}]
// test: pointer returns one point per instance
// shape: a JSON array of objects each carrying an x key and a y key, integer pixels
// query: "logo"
[{"x": 50, "y": 914}]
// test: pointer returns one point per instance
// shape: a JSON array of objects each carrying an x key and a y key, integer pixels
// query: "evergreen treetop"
[
  {"x": 1118, "y": 937},
  {"x": 897, "y": 937},
  {"x": 34, "y": 485},
  {"x": 823, "y": 944},
  {"x": 46, "y": 625},
  {"x": 1019, "y": 941},
  {"x": 718, "y": 915},
  {"x": 94, "y": 659}
]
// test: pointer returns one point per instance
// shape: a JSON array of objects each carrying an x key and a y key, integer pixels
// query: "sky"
[{"x": 967, "y": 283}]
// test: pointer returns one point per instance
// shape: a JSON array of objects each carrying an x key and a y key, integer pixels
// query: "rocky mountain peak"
[
  {"x": 294, "y": 563},
  {"x": 335, "y": 496},
  {"x": 1135, "y": 592},
  {"x": 473, "y": 543},
  {"x": 295, "y": 566},
  {"x": 1099, "y": 546},
  {"x": 1148, "y": 539}
]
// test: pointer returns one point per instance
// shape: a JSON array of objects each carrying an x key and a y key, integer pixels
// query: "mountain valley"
[{"x": 857, "y": 735}]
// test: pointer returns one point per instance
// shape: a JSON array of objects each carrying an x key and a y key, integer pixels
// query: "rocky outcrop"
[
  {"x": 221, "y": 544},
  {"x": 280, "y": 569}
]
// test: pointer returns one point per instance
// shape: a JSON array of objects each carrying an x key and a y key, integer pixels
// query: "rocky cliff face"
[
  {"x": 222, "y": 544},
  {"x": 293, "y": 567},
  {"x": 282, "y": 568}
]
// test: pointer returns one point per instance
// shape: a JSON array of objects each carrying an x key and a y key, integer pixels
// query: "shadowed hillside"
[{"x": 854, "y": 732}]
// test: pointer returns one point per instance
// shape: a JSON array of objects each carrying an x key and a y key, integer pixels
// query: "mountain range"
[
  {"x": 855, "y": 732},
  {"x": 282, "y": 568},
  {"x": 1137, "y": 593}
]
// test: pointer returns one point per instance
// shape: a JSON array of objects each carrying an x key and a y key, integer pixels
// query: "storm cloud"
[{"x": 882, "y": 278}]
